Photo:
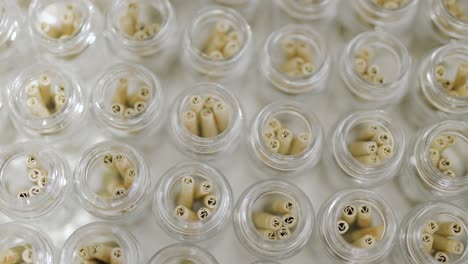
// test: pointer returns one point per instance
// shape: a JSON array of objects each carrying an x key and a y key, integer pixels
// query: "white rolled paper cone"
[
  {"x": 49, "y": 30},
  {"x": 269, "y": 134},
  {"x": 83, "y": 253},
  {"x": 283, "y": 233},
  {"x": 31, "y": 161},
  {"x": 300, "y": 143},
  {"x": 373, "y": 70},
  {"x": 215, "y": 42},
  {"x": 307, "y": 68},
  {"x": 444, "y": 164},
  {"x": 452, "y": 228},
  {"x": 118, "y": 109},
  {"x": 129, "y": 112},
  {"x": 376, "y": 231},
  {"x": 431, "y": 226},
  {"x": 208, "y": 124},
  {"x": 216, "y": 55},
  {"x": 349, "y": 214},
  {"x": 116, "y": 189},
  {"x": 266, "y": 221},
  {"x": 289, "y": 47},
  {"x": 203, "y": 213},
  {"x": 366, "y": 241},
  {"x": 441, "y": 71},
  {"x": 32, "y": 90},
  {"x": 381, "y": 138},
  {"x": 361, "y": 65},
  {"x": 117, "y": 256},
  {"x": 268, "y": 234},
  {"x": 293, "y": 64},
  {"x": 222, "y": 26},
  {"x": 187, "y": 188},
  {"x": 190, "y": 121},
  {"x": 385, "y": 152},
  {"x": 360, "y": 148},
  {"x": 202, "y": 188},
  {"x": 289, "y": 220},
  {"x": 441, "y": 257},
  {"x": 447, "y": 244},
  {"x": 143, "y": 94},
  {"x": 274, "y": 124},
  {"x": 366, "y": 53},
  {"x": 10, "y": 256},
  {"x": 120, "y": 94},
  {"x": 461, "y": 76},
  {"x": 140, "y": 35},
  {"x": 140, "y": 107},
  {"x": 122, "y": 163},
  {"x": 23, "y": 194},
  {"x": 231, "y": 49},
  {"x": 60, "y": 100},
  {"x": 196, "y": 103},
  {"x": 370, "y": 160},
  {"x": 44, "y": 88},
  {"x": 221, "y": 114},
  {"x": 210, "y": 201},
  {"x": 152, "y": 29},
  {"x": 34, "y": 174},
  {"x": 34, "y": 190},
  {"x": 100, "y": 251},
  {"x": 285, "y": 138},
  {"x": 281, "y": 206},
  {"x": 37, "y": 107},
  {"x": 434, "y": 155},
  {"x": 273, "y": 145},
  {"x": 303, "y": 50},
  {"x": 439, "y": 143},
  {"x": 342, "y": 227},
  {"x": 129, "y": 177},
  {"x": 27, "y": 256},
  {"x": 127, "y": 25},
  {"x": 183, "y": 213},
  {"x": 209, "y": 102},
  {"x": 366, "y": 132},
  {"x": 67, "y": 21},
  {"x": 133, "y": 11},
  {"x": 234, "y": 36},
  {"x": 427, "y": 241},
  {"x": 457, "y": 164},
  {"x": 364, "y": 216}
]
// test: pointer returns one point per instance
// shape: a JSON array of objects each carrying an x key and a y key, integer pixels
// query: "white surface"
[{"x": 225, "y": 246}]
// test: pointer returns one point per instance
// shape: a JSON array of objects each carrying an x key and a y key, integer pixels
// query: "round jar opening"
[
  {"x": 33, "y": 179},
  {"x": 112, "y": 180},
  {"x": 193, "y": 201},
  {"x": 357, "y": 226},
  {"x": 285, "y": 137},
  {"x": 21, "y": 243},
  {"x": 368, "y": 146},
  {"x": 274, "y": 219},
  {"x": 307, "y": 10},
  {"x": 182, "y": 253},
  {"x": 101, "y": 242}
]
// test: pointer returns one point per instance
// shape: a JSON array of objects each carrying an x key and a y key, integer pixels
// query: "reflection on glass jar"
[{"x": 182, "y": 253}]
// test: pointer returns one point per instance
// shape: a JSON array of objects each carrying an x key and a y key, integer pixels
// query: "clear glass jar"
[
  {"x": 410, "y": 247},
  {"x": 105, "y": 234},
  {"x": 34, "y": 242},
  {"x": 178, "y": 253},
  {"x": 167, "y": 199},
  {"x": 129, "y": 78},
  {"x": 318, "y": 14},
  {"x": 157, "y": 49},
  {"x": 437, "y": 25},
  {"x": 364, "y": 15},
  {"x": 113, "y": 181},
  {"x": 245, "y": 7},
  {"x": 342, "y": 248},
  {"x": 201, "y": 67},
  {"x": 280, "y": 81},
  {"x": 358, "y": 88},
  {"x": 344, "y": 170},
  {"x": 8, "y": 133},
  {"x": 293, "y": 117},
  {"x": 9, "y": 34},
  {"x": 421, "y": 180},
  {"x": 207, "y": 148},
  {"x": 259, "y": 196},
  {"x": 34, "y": 182},
  {"x": 31, "y": 111},
  {"x": 430, "y": 101},
  {"x": 67, "y": 33}
]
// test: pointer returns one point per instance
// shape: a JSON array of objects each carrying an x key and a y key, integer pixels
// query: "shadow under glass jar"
[
  {"x": 258, "y": 198},
  {"x": 46, "y": 103},
  {"x": 22, "y": 242},
  {"x": 33, "y": 182},
  {"x": 411, "y": 246},
  {"x": 364, "y": 15},
  {"x": 198, "y": 45},
  {"x": 97, "y": 238},
  {"x": 341, "y": 232},
  {"x": 436, "y": 98},
  {"x": 374, "y": 70},
  {"x": 422, "y": 178},
  {"x": 345, "y": 169},
  {"x": 191, "y": 225},
  {"x": 66, "y": 32},
  {"x": 128, "y": 102},
  {"x": 182, "y": 253},
  {"x": 294, "y": 63},
  {"x": 209, "y": 146},
  {"x": 144, "y": 32},
  {"x": 299, "y": 151},
  {"x": 113, "y": 181}
]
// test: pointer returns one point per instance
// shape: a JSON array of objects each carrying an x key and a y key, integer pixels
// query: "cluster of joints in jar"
[
  {"x": 298, "y": 57},
  {"x": 439, "y": 239},
  {"x": 455, "y": 9},
  {"x": 391, "y": 4},
  {"x": 44, "y": 98},
  {"x": 208, "y": 116},
  {"x": 131, "y": 25},
  {"x": 279, "y": 139},
  {"x": 68, "y": 23},
  {"x": 129, "y": 105},
  {"x": 18, "y": 254},
  {"x": 108, "y": 252},
  {"x": 447, "y": 153},
  {"x": 371, "y": 145},
  {"x": 223, "y": 42},
  {"x": 195, "y": 200},
  {"x": 370, "y": 72},
  {"x": 276, "y": 218},
  {"x": 356, "y": 225},
  {"x": 37, "y": 175},
  {"x": 459, "y": 85},
  {"x": 120, "y": 175}
]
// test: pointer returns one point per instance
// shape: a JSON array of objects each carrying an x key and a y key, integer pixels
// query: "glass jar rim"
[
  {"x": 126, "y": 240},
  {"x": 99, "y": 206},
  {"x": 153, "y": 110},
  {"x": 366, "y": 175},
  {"x": 247, "y": 234},
  {"x": 54, "y": 194},
  {"x": 449, "y": 24},
  {"x": 192, "y": 232},
  {"x": 311, "y": 11},
  {"x": 284, "y": 80},
  {"x": 39, "y": 241},
  {"x": 364, "y": 89},
  {"x": 338, "y": 247},
  {"x": 174, "y": 251}
]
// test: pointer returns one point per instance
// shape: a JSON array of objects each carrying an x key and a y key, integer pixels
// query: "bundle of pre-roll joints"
[
  {"x": 101, "y": 252},
  {"x": 195, "y": 201},
  {"x": 207, "y": 117},
  {"x": 36, "y": 174}
]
